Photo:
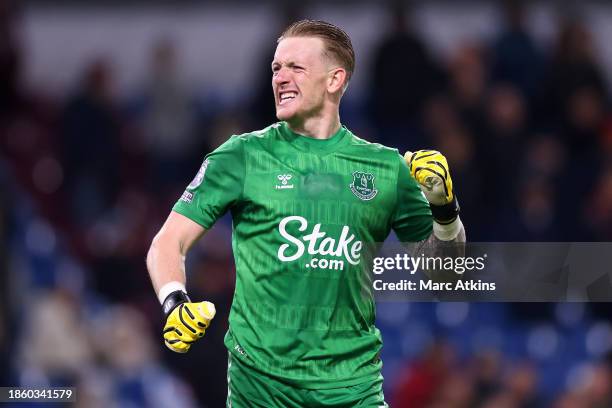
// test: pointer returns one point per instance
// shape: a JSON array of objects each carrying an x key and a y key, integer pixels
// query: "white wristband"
[
  {"x": 168, "y": 288},
  {"x": 447, "y": 232}
]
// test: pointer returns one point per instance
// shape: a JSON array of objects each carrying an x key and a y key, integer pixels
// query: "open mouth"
[{"x": 286, "y": 97}]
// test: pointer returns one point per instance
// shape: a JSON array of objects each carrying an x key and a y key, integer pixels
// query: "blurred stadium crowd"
[{"x": 87, "y": 179}]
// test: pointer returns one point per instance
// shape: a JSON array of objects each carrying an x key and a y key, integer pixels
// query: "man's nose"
[{"x": 281, "y": 76}]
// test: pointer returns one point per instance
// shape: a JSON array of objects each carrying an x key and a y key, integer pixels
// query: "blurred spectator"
[
  {"x": 457, "y": 391},
  {"x": 116, "y": 243},
  {"x": 545, "y": 157},
  {"x": 585, "y": 118},
  {"x": 486, "y": 368},
  {"x": 507, "y": 114},
  {"x": 468, "y": 80},
  {"x": 56, "y": 348},
  {"x": 90, "y": 145},
  {"x": 420, "y": 384},
  {"x": 577, "y": 95},
  {"x": 521, "y": 384},
  {"x": 571, "y": 400},
  {"x": 515, "y": 58},
  {"x": 169, "y": 121},
  {"x": 599, "y": 206},
  {"x": 593, "y": 389},
  {"x": 572, "y": 66},
  {"x": 583, "y": 136},
  {"x": 108, "y": 216},
  {"x": 404, "y": 76},
  {"x": 534, "y": 214},
  {"x": 502, "y": 399},
  {"x": 504, "y": 142}
]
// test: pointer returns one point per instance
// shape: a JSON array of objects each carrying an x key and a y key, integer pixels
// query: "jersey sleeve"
[
  {"x": 217, "y": 186},
  {"x": 412, "y": 220}
]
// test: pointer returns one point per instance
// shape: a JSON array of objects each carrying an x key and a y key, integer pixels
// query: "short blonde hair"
[{"x": 338, "y": 44}]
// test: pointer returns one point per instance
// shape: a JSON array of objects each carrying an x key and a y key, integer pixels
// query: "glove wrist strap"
[
  {"x": 447, "y": 213},
  {"x": 173, "y": 300},
  {"x": 168, "y": 288}
]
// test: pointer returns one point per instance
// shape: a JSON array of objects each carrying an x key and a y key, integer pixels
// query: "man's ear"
[{"x": 336, "y": 80}]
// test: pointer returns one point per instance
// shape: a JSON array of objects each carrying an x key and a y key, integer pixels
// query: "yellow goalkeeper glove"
[
  {"x": 186, "y": 321},
  {"x": 430, "y": 169}
]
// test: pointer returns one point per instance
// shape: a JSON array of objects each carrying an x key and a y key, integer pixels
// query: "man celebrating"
[{"x": 306, "y": 196}]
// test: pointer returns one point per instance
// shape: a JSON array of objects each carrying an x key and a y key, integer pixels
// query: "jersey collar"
[{"x": 310, "y": 144}]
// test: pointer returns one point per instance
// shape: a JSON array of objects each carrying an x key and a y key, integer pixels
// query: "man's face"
[{"x": 299, "y": 78}]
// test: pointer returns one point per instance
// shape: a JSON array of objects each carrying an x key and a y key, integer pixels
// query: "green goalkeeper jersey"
[{"x": 304, "y": 210}]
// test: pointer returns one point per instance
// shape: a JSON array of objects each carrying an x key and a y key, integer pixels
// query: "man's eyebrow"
[{"x": 289, "y": 64}]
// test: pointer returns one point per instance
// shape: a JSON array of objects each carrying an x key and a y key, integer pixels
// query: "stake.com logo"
[{"x": 316, "y": 242}]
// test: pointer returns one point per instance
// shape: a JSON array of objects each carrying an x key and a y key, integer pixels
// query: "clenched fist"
[
  {"x": 186, "y": 321},
  {"x": 430, "y": 170}
]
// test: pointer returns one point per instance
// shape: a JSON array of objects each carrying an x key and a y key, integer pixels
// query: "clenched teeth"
[{"x": 287, "y": 95}]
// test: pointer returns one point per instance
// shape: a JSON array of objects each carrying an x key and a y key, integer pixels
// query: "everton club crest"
[{"x": 363, "y": 185}]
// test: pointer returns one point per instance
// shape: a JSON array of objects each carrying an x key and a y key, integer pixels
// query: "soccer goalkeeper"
[{"x": 305, "y": 195}]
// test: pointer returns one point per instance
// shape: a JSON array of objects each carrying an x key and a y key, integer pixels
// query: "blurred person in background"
[
  {"x": 507, "y": 124},
  {"x": 90, "y": 142},
  {"x": 57, "y": 348},
  {"x": 404, "y": 76},
  {"x": 419, "y": 385},
  {"x": 576, "y": 96},
  {"x": 521, "y": 384},
  {"x": 570, "y": 400},
  {"x": 108, "y": 209},
  {"x": 573, "y": 65},
  {"x": 468, "y": 78},
  {"x": 114, "y": 245},
  {"x": 598, "y": 208},
  {"x": 592, "y": 389},
  {"x": 169, "y": 120},
  {"x": 515, "y": 58},
  {"x": 457, "y": 391},
  {"x": 485, "y": 367},
  {"x": 533, "y": 215},
  {"x": 502, "y": 399}
]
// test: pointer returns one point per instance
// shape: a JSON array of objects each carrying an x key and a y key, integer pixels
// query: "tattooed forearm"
[{"x": 433, "y": 247}]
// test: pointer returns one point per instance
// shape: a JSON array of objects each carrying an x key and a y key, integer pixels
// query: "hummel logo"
[{"x": 284, "y": 179}]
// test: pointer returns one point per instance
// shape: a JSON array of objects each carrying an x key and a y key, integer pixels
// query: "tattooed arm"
[{"x": 446, "y": 241}]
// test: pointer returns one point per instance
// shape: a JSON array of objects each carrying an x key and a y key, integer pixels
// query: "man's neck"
[{"x": 317, "y": 128}]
